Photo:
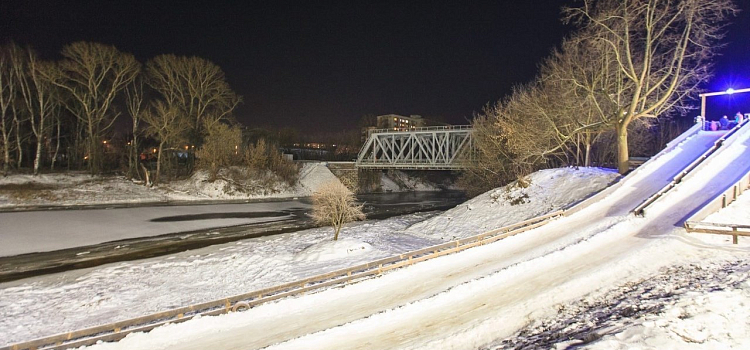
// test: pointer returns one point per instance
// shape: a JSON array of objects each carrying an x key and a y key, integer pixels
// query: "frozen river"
[{"x": 35, "y": 242}]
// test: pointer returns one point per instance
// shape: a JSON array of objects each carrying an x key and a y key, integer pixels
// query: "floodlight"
[{"x": 730, "y": 91}]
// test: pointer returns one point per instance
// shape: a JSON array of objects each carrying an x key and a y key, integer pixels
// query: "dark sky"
[{"x": 321, "y": 67}]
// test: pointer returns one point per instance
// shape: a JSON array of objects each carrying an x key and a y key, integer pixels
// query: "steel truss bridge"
[{"x": 429, "y": 148}]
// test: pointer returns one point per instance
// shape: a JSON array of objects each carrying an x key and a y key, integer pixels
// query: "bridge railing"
[{"x": 423, "y": 128}]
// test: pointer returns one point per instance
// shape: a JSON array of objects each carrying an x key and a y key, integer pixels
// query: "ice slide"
[{"x": 471, "y": 298}]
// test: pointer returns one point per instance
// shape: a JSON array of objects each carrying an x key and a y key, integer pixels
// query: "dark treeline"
[{"x": 64, "y": 113}]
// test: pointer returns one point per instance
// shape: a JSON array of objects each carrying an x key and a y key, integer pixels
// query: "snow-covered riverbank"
[
  {"x": 67, "y": 189},
  {"x": 113, "y": 292}
]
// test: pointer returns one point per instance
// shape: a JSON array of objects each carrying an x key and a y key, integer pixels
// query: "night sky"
[{"x": 321, "y": 67}]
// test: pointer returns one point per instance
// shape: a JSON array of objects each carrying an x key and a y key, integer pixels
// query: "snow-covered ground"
[
  {"x": 701, "y": 302},
  {"x": 691, "y": 306},
  {"x": 84, "y": 189},
  {"x": 735, "y": 213},
  {"x": 546, "y": 191},
  {"x": 78, "y": 299},
  {"x": 485, "y": 295},
  {"x": 600, "y": 261}
]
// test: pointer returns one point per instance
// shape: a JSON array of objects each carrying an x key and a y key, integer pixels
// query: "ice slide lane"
[
  {"x": 501, "y": 302},
  {"x": 526, "y": 266}
]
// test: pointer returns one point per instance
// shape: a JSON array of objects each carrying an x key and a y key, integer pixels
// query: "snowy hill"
[{"x": 546, "y": 191}]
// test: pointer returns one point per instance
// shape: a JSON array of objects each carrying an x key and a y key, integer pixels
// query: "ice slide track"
[
  {"x": 640, "y": 209},
  {"x": 118, "y": 330}
]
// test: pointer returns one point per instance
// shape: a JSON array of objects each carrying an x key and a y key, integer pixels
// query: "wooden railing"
[
  {"x": 695, "y": 222},
  {"x": 118, "y": 330}
]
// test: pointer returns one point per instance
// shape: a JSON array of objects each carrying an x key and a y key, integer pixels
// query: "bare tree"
[
  {"x": 580, "y": 84},
  {"x": 136, "y": 106},
  {"x": 167, "y": 126},
  {"x": 335, "y": 205},
  {"x": 92, "y": 75},
  {"x": 8, "y": 88},
  {"x": 38, "y": 95},
  {"x": 197, "y": 87},
  {"x": 656, "y": 53}
]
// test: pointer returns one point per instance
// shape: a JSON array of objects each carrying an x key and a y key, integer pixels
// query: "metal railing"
[{"x": 421, "y": 128}]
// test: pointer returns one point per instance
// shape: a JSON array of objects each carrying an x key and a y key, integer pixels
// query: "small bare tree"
[
  {"x": 335, "y": 205},
  {"x": 167, "y": 126}
]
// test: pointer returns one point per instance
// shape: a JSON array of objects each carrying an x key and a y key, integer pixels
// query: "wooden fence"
[{"x": 695, "y": 222}]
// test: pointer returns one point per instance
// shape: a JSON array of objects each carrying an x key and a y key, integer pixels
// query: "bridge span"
[{"x": 428, "y": 148}]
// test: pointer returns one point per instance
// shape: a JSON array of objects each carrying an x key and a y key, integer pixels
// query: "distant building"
[
  {"x": 400, "y": 123},
  {"x": 395, "y": 122}
]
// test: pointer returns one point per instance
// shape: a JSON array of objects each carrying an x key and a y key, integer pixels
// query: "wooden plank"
[
  {"x": 721, "y": 232},
  {"x": 716, "y": 224}
]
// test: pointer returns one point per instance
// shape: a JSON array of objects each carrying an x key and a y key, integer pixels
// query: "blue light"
[{"x": 730, "y": 91}]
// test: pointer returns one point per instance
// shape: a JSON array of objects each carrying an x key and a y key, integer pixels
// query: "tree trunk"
[
  {"x": 623, "y": 165},
  {"x": 6, "y": 157},
  {"x": 38, "y": 156},
  {"x": 134, "y": 157},
  {"x": 158, "y": 164},
  {"x": 588, "y": 139},
  {"x": 6, "y": 149},
  {"x": 336, "y": 235},
  {"x": 92, "y": 149},
  {"x": 578, "y": 149},
  {"x": 18, "y": 139},
  {"x": 39, "y": 134},
  {"x": 57, "y": 146}
]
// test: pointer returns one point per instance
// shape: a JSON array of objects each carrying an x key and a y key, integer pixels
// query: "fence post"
[{"x": 734, "y": 237}]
